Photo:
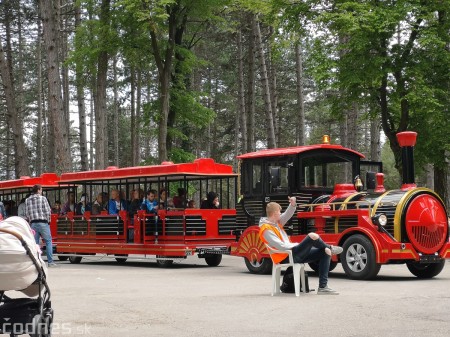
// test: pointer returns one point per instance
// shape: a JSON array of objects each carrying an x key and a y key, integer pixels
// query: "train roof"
[
  {"x": 202, "y": 167},
  {"x": 24, "y": 184},
  {"x": 279, "y": 152}
]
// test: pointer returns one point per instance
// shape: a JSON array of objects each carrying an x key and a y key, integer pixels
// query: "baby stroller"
[{"x": 22, "y": 269}]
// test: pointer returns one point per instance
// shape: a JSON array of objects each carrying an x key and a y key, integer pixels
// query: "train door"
[{"x": 251, "y": 203}]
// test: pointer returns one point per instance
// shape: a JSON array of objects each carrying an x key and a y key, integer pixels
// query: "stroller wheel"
[
  {"x": 37, "y": 326},
  {"x": 42, "y": 325},
  {"x": 48, "y": 326}
]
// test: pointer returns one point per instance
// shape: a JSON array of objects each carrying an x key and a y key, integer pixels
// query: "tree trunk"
[
  {"x": 164, "y": 66},
  {"x": 21, "y": 167},
  {"x": 266, "y": 87},
  {"x": 300, "y": 99},
  {"x": 375, "y": 144},
  {"x": 55, "y": 103},
  {"x": 115, "y": 120},
  {"x": 273, "y": 90},
  {"x": 137, "y": 148},
  {"x": 20, "y": 157},
  {"x": 352, "y": 128},
  {"x": 91, "y": 126},
  {"x": 40, "y": 117},
  {"x": 80, "y": 100},
  {"x": 250, "y": 107},
  {"x": 100, "y": 95},
  {"x": 64, "y": 27},
  {"x": 429, "y": 171},
  {"x": 133, "y": 114},
  {"x": 241, "y": 93}
]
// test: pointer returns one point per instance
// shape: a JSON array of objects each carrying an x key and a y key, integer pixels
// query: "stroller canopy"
[{"x": 17, "y": 269}]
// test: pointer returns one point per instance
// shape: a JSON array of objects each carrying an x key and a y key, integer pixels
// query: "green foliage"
[
  {"x": 178, "y": 155},
  {"x": 189, "y": 108}
]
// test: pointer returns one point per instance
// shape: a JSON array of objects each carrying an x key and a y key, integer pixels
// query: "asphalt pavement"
[{"x": 100, "y": 297}]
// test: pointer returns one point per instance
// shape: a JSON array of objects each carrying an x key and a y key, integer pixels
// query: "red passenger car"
[
  {"x": 13, "y": 191},
  {"x": 172, "y": 233}
]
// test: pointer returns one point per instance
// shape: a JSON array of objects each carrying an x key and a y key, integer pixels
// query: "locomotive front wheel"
[
  {"x": 213, "y": 260},
  {"x": 262, "y": 267},
  {"x": 75, "y": 259},
  {"x": 425, "y": 270},
  {"x": 358, "y": 258}
]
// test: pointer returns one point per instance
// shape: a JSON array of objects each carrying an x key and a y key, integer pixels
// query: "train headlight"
[{"x": 380, "y": 219}]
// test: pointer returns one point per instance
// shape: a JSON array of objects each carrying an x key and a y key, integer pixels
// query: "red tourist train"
[
  {"x": 374, "y": 226},
  {"x": 340, "y": 196}
]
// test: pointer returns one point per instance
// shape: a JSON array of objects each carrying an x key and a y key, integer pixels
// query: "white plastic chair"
[{"x": 298, "y": 270}]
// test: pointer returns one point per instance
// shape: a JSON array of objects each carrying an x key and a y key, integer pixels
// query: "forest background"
[{"x": 89, "y": 84}]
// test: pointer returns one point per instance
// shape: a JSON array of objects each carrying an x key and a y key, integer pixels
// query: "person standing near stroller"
[{"x": 38, "y": 212}]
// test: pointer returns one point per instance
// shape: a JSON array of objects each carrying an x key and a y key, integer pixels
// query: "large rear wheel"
[
  {"x": 359, "y": 259},
  {"x": 262, "y": 267},
  {"x": 163, "y": 263},
  {"x": 121, "y": 258},
  {"x": 75, "y": 259},
  {"x": 425, "y": 270},
  {"x": 213, "y": 260}
]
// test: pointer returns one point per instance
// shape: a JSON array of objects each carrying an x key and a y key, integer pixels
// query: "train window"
[
  {"x": 251, "y": 177},
  {"x": 278, "y": 177},
  {"x": 256, "y": 179},
  {"x": 323, "y": 172}
]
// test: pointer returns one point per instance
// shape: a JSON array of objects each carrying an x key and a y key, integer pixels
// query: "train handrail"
[{"x": 333, "y": 206}]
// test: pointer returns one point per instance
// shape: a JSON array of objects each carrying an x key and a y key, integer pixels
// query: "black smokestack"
[{"x": 407, "y": 141}]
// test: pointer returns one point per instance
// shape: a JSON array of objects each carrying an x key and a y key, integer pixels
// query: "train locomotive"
[{"x": 342, "y": 197}]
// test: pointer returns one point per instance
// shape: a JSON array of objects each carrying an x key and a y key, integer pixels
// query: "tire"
[
  {"x": 358, "y": 258},
  {"x": 121, "y": 258},
  {"x": 213, "y": 260},
  {"x": 163, "y": 263},
  {"x": 264, "y": 267},
  {"x": 425, "y": 270},
  {"x": 63, "y": 258},
  {"x": 75, "y": 259},
  {"x": 37, "y": 326},
  {"x": 315, "y": 266},
  {"x": 48, "y": 318}
]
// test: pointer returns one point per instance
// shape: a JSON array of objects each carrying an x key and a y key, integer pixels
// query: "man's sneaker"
[
  {"x": 52, "y": 264},
  {"x": 336, "y": 250},
  {"x": 326, "y": 291}
]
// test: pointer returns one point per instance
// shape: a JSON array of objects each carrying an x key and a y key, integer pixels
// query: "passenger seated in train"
[
  {"x": 83, "y": 205},
  {"x": 21, "y": 209},
  {"x": 191, "y": 204},
  {"x": 69, "y": 206},
  {"x": 136, "y": 202},
  {"x": 162, "y": 198},
  {"x": 211, "y": 202},
  {"x": 116, "y": 204},
  {"x": 98, "y": 205},
  {"x": 56, "y": 209},
  {"x": 180, "y": 200},
  {"x": 150, "y": 204},
  {"x": 170, "y": 203}
]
